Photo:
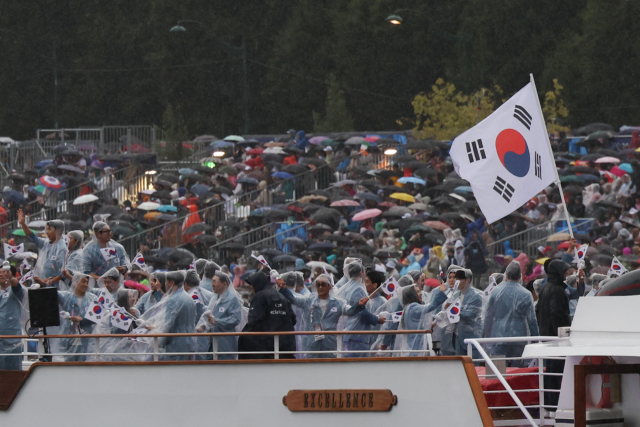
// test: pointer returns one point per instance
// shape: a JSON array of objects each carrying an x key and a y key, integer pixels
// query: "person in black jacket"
[
  {"x": 269, "y": 312},
  {"x": 552, "y": 312}
]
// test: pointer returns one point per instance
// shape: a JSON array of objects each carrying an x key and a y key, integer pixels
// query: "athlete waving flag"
[{"x": 507, "y": 157}]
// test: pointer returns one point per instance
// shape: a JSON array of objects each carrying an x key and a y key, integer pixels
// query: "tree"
[
  {"x": 445, "y": 112},
  {"x": 336, "y": 117},
  {"x": 554, "y": 110},
  {"x": 175, "y": 131}
]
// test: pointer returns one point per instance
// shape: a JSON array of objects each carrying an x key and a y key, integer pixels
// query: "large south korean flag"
[{"x": 506, "y": 157}]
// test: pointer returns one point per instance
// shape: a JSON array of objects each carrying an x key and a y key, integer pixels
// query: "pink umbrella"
[
  {"x": 617, "y": 171},
  {"x": 316, "y": 140},
  {"x": 608, "y": 159},
  {"x": 132, "y": 284},
  {"x": 366, "y": 214},
  {"x": 372, "y": 138},
  {"x": 345, "y": 202},
  {"x": 436, "y": 225}
]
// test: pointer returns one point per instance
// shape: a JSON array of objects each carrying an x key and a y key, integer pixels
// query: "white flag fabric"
[
  {"x": 96, "y": 312},
  {"x": 10, "y": 251},
  {"x": 453, "y": 312},
  {"x": 616, "y": 269},
  {"x": 390, "y": 286},
  {"x": 442, "y": 278},
  {"x": 104, "y": 298},
  {"x": 192, "y": 266},
  {"x": 581, "y": 252},
  {"x": 120, "y": 318},
  {"x": 261, "y": 260},
  {"x": 506, "y": 157},
  {"x": 453, "y": 290},
  {"x": 108, "y": 253},
  {"x": 139, "y": 261},
  {"x": 28, "y": 276},
  {"x": 395, "y": 317},
  {"x": 491, "y": 287}
]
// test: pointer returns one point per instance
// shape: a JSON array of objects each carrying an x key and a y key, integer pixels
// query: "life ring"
[{"x": 607, "y": 385}]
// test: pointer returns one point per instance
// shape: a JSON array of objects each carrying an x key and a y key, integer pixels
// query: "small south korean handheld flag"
[
  {"x": 139, "y": 261},
  {"x": 491, "y": 287},
  {"x": 441, "y": 273},
  {"x": 453, "y": 290},
  {"x": 108, "y": 253},
  {"x": 395, "y": 317},
  {"x": 453, "y": 312},
  {"x": 261, "y": 260},
  {"x": 28, "y": 276},
  {"x": 506, "y": 157},
  {"x": 616, "y": 269},
  {"x": 10, "y": 251},
  {"x": 192, "y": 266},
  {"x": 120, "y": 318},
  {"x": 581, "y": 252},
  {"x": 96, "y": 312},
  {"x": 390, "y": 287},
  {"x": 104, "y": 298}
]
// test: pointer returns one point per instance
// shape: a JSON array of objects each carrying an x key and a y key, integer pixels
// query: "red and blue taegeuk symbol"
[
  {"x": 513, "y": 152},
  {"x": 97, "y": 309},
  {"x": 616, "y": 266},
  {"x": 455, "y": 310},
  {"x": 391, "y": 287},
  {"x": 112, "y": 252}
]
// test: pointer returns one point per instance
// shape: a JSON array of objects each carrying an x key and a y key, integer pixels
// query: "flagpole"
[{"x": 555, "y": 168}]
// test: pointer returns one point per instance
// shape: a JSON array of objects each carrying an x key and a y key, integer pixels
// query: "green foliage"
[
  {"x": 554, "y": 109},
  {"x": 336, "y": 116},
  {"x": 175, "y": 131},
  {"x": 446, "y": 112}
]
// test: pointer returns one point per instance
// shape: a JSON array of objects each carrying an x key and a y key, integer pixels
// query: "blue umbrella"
[
  {"x": 167, "y": 208},
  {"x": 186, "y": 171},
  {"x": 412, "y": 180},
  {"x": 221, "y": 144},
  {"x": 585, "y": 177},
  {"x": 626, "y": 167},
  {"x": 283, "y": 175},
  {"x": 14, "y": 196},
  {"x": 368, "y": 196},
  {"x": 463, "y": 189},
  {"x": 43, "y": 163},
  {"x": 247, "y": 180},
  {"x": 200, "y": 189}
]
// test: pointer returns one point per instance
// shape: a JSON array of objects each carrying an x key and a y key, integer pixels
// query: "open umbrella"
[
  {"x": 197, "y": 228},
  {"x": 403, "y": 196},
  {"x": 285, "y": 258},
  {"x": 50, "y": 182},
  {"x": 559, "y": 237},
  {"x": 366, "y": 214},
  {"x": 87, "y": 198},
  {"x": 412, "y": 180},
  {"x": 167, "y": 208},
  {"x": 340, "y": 238},
  {"x": 294, "y": 241},
  {"x": 148, "y": 206},
  {"x": 319, "y": 264},
  {"x": 345, "y": 202},
  {"x": 368, "y": 196},
  {"x": 608, "y": 159}
]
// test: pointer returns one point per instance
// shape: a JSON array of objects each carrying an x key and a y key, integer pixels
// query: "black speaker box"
[{"x": 43, "y": 307}]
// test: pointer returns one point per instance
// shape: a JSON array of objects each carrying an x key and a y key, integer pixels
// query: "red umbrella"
[
  {"x": 131, "y": 284},
  {"x": 257, "y": 151},
  {"x": 617, "y": 171},
  {"x": 366, "y": 214},
  {"x": 50, "y": 182},
  {"x": 436, "y": 225},
  {"x": 564, "y": 245},
  {"x": 345, "y": 202}
]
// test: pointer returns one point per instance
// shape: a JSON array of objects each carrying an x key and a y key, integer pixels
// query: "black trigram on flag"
[
  {"x": 475, "y": 151},
  {"x": 538, "y": 167},
  {"x": 523, "y": 116},
  {"x": 504, "y": 189}
]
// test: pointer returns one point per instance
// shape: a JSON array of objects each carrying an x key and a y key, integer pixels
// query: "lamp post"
[
  {"x": 237, "y": 50},
  {"x": 396, "y": 19}
]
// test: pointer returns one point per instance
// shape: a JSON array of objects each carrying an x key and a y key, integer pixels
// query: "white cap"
[
  {"x": 328, "y": 149},
  {"x": 380, "y": 268},
  {"x": 633, "y": 211},
  {"x": 6, "y": 265},
  {"x": 390, "y": 264}
]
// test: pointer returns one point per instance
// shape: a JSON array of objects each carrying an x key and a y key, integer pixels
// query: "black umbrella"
[
  {"x": 232, "y": 246},
  {"x": 603, "y": 259},
  {"x": 322, "y": 193},
  {"x": 295, "y": 169},
  {"x": 272, "y": 158},
  {"x": 271, "y": 252},
  {"x": 341, "y": 238},
  {"x": 365, "y": 249},
  {"x": 590, "y": 128},
  {"x": 110, "y": 209},
  {"x": 326, "y": 214},
  {"x": 247, "y": 180},
  {"x": 294, "y": 241},
  {"x": 368, "y": 196},
  {"x": 386, "y": 173},
  {"x": 365, "y": 258},
  {"x": 165, "y": 176},
  {"x": 313, "y": 161},
  {"x": 421, "y": 145},
  {"x": 356, "y": 237},
  {"x": 276, "y": 213},
  {"x": 395, "y": 189},
  {"x": 207, "y": 239},
  {"x": 197, "y": 228},
  {"x": 72, "y": 216},
  {"x": 285, "y": 258},
  {"x": 320, "y": 228},
  {"x": 160, "y": 182},
  {"x": 605, "y": 249},
  {"x": 434, "y": 238},
  {"x": 322, "y": 246},
  {"x": 230, "y": 224}
]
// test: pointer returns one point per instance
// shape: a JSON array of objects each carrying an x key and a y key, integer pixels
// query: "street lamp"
[
  {"x": 396, "y": 19},
  {"x": 237, "y": 50}
]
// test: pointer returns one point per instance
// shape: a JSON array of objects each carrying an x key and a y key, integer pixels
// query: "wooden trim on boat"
[
  {"x": 11, "y": 382},
  {"x": 476, "y": 389}
]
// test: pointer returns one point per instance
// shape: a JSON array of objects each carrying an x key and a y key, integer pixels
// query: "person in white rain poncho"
[
  {"x": 352, "y": 292},
  {"x": 179, "y": 318},
  {"x": 74, "y": 304},
  {"x": 509, "y": 313},
  {"x": 12, "y": 302},
  {"x": 294, "y": 280},
  {"x": 372, "y": 282},
  {"x": 224, "y": 313},
  {"x": 102, "y": 253},
  {"x": 417, "y": 316},
  {"x": 52, "y": 252},
  {"x": 110, "y": 282},
  {"x": 321, "y": 312},
  {"x": 154, "y": 296},
  {"x": 75, "y": 255},
  {"x": 393, "y": 305},
  {"x": 209, "y": 270}
]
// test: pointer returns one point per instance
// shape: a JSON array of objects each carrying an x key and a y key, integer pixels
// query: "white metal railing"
[
  {"x": 156, "y": 353},
  {"x": 488, "y": 360}
]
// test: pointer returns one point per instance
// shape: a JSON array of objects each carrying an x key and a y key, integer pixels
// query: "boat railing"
[
  {"x": 540, "y": 373},
  {"x": 155, "y": 353}
]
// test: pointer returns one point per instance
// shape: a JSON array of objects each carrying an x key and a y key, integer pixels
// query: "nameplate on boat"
[{"x": 339, "y": 400}]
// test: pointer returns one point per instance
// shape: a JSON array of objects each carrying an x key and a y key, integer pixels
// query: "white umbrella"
[
  {"x": 148, "y": 191},
  {"x": 87, "y": 198},
  {"x": 148, "y": 206},
  {"x": 320, "y": 264},
  {"x": 234, "y": 138},
  {"x": 37, "y": 224},
  {"x": 25, "y": 255}
]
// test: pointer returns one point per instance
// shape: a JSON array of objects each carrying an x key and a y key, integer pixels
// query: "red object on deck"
[{"x": 524, "y": 382}]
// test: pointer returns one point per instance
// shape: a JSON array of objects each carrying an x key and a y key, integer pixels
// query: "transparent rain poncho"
[
  {"x": 98, "y": 262},
  {"x": 73, "y": 303},
  {"x": 75, "y": 256},
  {"x": 509, "y": 312},
  {"x": 51, "y": 256},
  {"x": 293, "y": 279},
  {"x": 352, "y": 292},
  {"x": 225, "y": 313},
  {"x": 116, "y": 283},
  {"x": 13, "y": 304},
  {"x": 344, "y": 279},
  {"x": 320, "y": 315},
  {"x": 415, "y": 316},
  {"x": 392, "y": 305},
  {"x": 152, "y": 297}
]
